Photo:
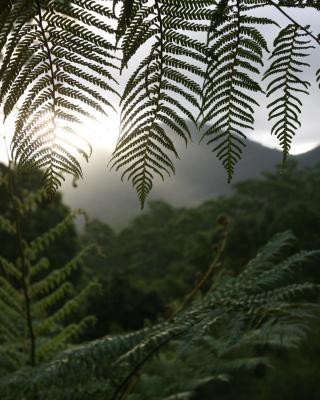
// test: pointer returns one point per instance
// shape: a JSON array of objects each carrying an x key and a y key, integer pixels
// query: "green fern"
[
  {"x": 32, "y": 327},
  {"x": 54, "y": 67},
  {"x": 157, "y": 94},
  {"x": 239, "y": 315},
  {"x": 290, "y": 46},
  {"x": 227, "y": 104}
]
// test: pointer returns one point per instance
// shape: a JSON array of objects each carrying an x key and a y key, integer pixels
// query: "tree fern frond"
[
  {"x": 68, "y": 308},
  {"x": 41, "y": 266},
  {"x": 9, "y": 358},
  {"x": 10, "y": 315},
  {"x": 7, "y": 225},
  {"x": 149, "y": 109},
  {"x": 268, "y": 255},
  {"x": 30, "y": 201},
  {"x": 9, "y": 268},
  {"x": 35, "y": 300},
  {"x": 49, "y": 47},
  {"x": 237, "y": 46},
  {"x": 10, "y": 295},
  {"x": 54, "y": 297},
  {"x": 56, "y": 277},
  {"x": 283, "y": 271},
  {"x": 35, "y": 247},
  {"x": 290, "y": 46},
  {"x": 67, "y": 335},
  {"x": 58, "y": 62}
]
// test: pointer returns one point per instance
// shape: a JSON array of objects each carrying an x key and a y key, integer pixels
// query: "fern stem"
[
  {"x": 205, "y": 80},
  {"x": 24, "y": 270},
  {"x": 52, "y": 76},
  {"x": 128, "y": 383},
  {"x": 213, "y": 267},
  {"x": 234, "y": 65},
  {"x": 158, "y": 93},
  {"x": 215, "y": 21},
  {"x": 286, "y": 84},
  {"x": 161, "y": 51}
]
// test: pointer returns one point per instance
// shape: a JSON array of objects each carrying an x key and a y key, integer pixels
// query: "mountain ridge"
[{"x": 199, "y": 177}]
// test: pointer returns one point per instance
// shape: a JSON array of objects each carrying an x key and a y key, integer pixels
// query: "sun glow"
[{"x": 102, "y": 134}]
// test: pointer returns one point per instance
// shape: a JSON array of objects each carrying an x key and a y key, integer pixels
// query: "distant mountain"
[
  {"x": 309, "y": 158},
  {"x": 199, "y": 176}
]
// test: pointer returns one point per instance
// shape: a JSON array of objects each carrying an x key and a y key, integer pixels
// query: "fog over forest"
[{"x": 199, "y": 177}]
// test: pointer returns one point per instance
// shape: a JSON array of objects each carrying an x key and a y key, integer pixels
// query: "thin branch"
[
  {"x": 40, "y": 22},
  {"x": 299, "y": 4},
  {"x": 126, "y": 386},
  {"x": 213, "y": 267},
  {"x": 278, "y": 7}
]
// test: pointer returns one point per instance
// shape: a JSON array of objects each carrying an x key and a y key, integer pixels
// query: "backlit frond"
[
  {"x": 228, "y": 102},
  {"x": 159, "y": 93},
  {"x": 55, "y": 68},
  {"x": 285, "y": 76}
]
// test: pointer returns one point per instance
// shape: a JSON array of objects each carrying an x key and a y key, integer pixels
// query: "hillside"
[
  {"x": 199, "y": 176},
  {"x": 309, "y": 158}
]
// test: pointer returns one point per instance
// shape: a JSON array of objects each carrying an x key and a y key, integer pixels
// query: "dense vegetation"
[
  {"x": 157, "y": 263},
  {"x": 194, "y": 337}
]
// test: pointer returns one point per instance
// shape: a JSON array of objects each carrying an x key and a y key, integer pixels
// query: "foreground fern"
[
  {"x": 191, "y": 60},
  {"x": 263, "y": 307},
  {"x": 35, "y": 300}
]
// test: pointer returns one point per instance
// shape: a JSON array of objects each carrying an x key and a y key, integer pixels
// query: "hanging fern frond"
[
  {"x": 55, "y": 67},
  {"x": 227, "y": 97},
  {"x": 157, "y": 96},
  {"x": 190, "y": 62},
  {"x": 290, "y": 47}
]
